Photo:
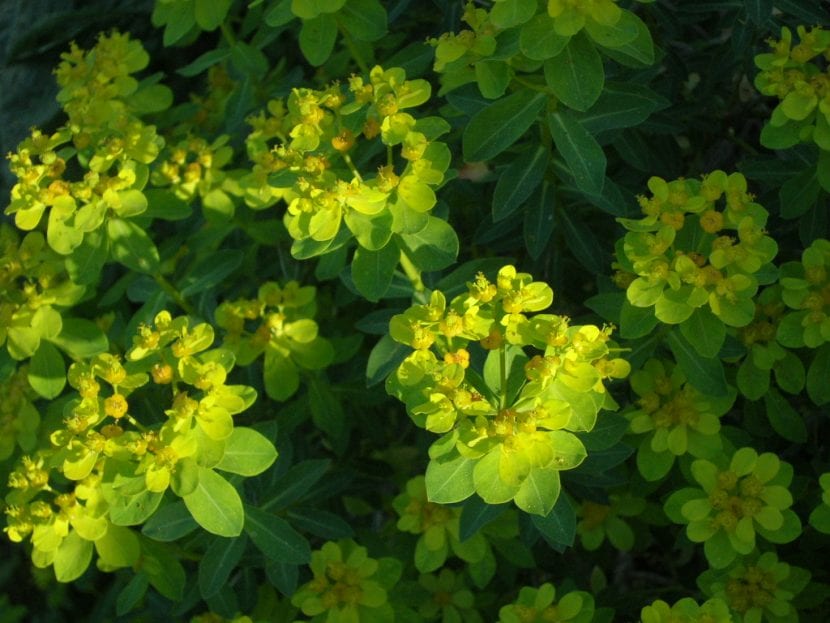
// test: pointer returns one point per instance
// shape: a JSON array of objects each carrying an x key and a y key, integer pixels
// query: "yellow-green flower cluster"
[
  {"x": 437, "y": 527},
  {"x": 600, "y": 521},
  {"x": 758, "y": 589},
  {"x": 278, "y": 323},
  {"x": 192, "y": 167},
  {"x": 688, "y": 252},
  {"x": 316, "y": 133},
  {"x": 571, "y": 16},
  {"x": 797, "y": 74},
  {"x": 512, "y": 419},
  {"x": 687, "y": 610},
  {"x": 348, "y": 585},
  {"x": 735, "y": 502},
  {"x": 32, "y": 280},
  {"x": 674, "y": 417},
  {"x": 119, "y": 456},
  {"x": 820, "y": 517},
  {"x": 536, "y": 605},
  {"x": 806, "y": 290},
  {"x": 104, "y": 135},
  {"x": 19, "y": 419}
]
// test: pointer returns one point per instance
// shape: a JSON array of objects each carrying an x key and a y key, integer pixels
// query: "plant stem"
[
  {"x": 414, "y": 276},
  {"x": 348, "y": 159},
  {"x": 227, "y": 33},
  {"x": 174, "y": 294},
  {"x": 358, "y": 59},
  {"x": 503, "y": 375}
]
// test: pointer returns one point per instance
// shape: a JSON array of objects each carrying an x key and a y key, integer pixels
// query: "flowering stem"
[
  {"x": 358, "y": 59},
  {"x": 348, "y": 159},
  {"x": 174, "y": 294},
  {"x": 414, "y": 276}
]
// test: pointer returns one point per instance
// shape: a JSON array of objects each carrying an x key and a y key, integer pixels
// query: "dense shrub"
[{"x": 363, "y": 311}]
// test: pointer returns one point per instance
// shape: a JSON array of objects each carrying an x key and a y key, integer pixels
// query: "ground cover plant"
[{"x": 363, "y": 311}]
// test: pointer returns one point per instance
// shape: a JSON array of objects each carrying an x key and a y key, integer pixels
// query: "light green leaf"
[
  {"x": 216, "y": 505},
  {"x": 317, "y": 37},
  {"x": 539, "y": 491},
  {"x": 47, "y": 372},
  {"x": 450, "y": 481},
  {"x": 132, "y": 247},
  {"x": 80, "y": 338},
  {"x": 72, "y": 557},
  {"x": 538, "y": 39},
  {"x": 247, "y": 452},
  {"x": 705, "y": 331},
  {"x": 432, "y": 248}
]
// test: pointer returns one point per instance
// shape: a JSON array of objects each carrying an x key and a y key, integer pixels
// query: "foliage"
[{"x": 278, "y": 339}]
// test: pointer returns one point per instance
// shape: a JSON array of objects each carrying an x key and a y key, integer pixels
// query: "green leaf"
[
  {"x": 276, "y": 538},
  {"x": 72, "y": 557},
  {"x": 538, "y": 39},
  {"x": 202, "y": 62},
  {"x": 510, "y": 13},
  {"x": 171, "y": 522},
  {"x": 475, "y": 514},
  {"x": 621, "y": 105},
  {"x": 818, "y": 388},
  {"x": 372, "y": 270},
  {"x": 372, "y": 232},
  {"x": 752, "y": 381},
  {"x": 705, "y": 374},
  {"x": 798, "y": 194},
  {"x": 518, "y": 181},
  {"x": 216, "y": 505},
  {"x": 210, "y": 271},
  {"x": 161, "y": 566},
  {"x": 705, "y": 331},
  {"x": 132, "y": 510},
  {"x": 499, "y": 125},
  {"x": 539, "y": 491},
  {"x": 297, "y": 482},
  {"x": 785, "y": 420},
  {"x": 132, "y": 247},
  {"x": 450, "y": 481},
  {"x": 320, "y": 523},
  {"x": 218, "y": 562},
  {"x": 80, "y": 338},
  {"x": 279, "y": 14},
  {"x": 248, "y": 60},
  {"x": 132, "y": 593},
  {"x": 789, "y": 373},
  {"x": 539, "y": 219},
  {"x": 317, "y": 37},
  {"x": 364, "y": 19},
  {"x": 327, "y": 413},
  {"x": 638, "y": 52},
  {"x": 210, "y": 14},
  {"x": 576, "y": 75},
  {"x": 636, "y": 322},
  {"x": 386, "y": 355},
  {"x": 47, "y": 372},
  {"x": 87, "y": 260},
  {"x": 434, "y": 247},
  {"x": 247, "y": 452},
  {"x": 284, "y": 577},
  {"x": 558, "y": 527},
  {"x": 758, "y": 11},
  {"x": 583, "y": 243},
  {"x": 623, "y": 31},
  {"x": 492, "y": 77},
  {"x": 581, "y": 152},
  {"x": 279, "y": 375},
  {"x": 609, "y": 429}
]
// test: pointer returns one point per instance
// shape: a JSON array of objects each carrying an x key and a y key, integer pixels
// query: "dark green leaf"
[
  {"x": 276, "y": 538},
  {"x": 785, "y": 420},
  {"x": 170, "y": 523},
  {"x": 320, "y": 523},
  {"x": 372, "y": 270},
  {"x": 518, "y": 181},
  {"x": 580, "y": 150},
  {"x": 386, "y": 355},
  {"x": 497, "y": 127},
  {"x": 87, "y": 260},
  {"x": 475, "y": 514},
  {"x": 621, "y": 105},
  {"x": 132, "y": 247},
  {"x": 758, "y": 11},
  {"x": 317, "y": 37},
  {"x": 218, "y": 562},
  {"x": 799, "y": 194},
  {"x": 636, "y": 322},
  {"x": 576, "y": 75},
  {"x": 705, "y": 331},
  {"x": 582, "y": 241},
  {"x": 131, "y": 594},
  {"x": 818, "y": 387},
  {"x": 296, "y": 483},
  {"x": 540, "y": 219},
  {"x": 327, "y": 414},
  {"x": 364, "y": 19},
  {"x": 704, "y": 373},
  {"x": 558, "y": 528},
  {"x": 210, "y": 14},
  {"x": 210, "y": 271}
]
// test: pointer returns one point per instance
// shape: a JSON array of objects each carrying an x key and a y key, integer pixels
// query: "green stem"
[
  {"x": 350, "y": 46},
  {"x": 533, "y": 86},
  {"x": 348, "y": 159},
  {"x": 414, "y": 276},
  {"x": 174, "y": 294},
  {"x": 503, "y": 375},
  {"x": 227, "y": 33},
  {"x": 390, "y": 157}
]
